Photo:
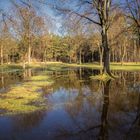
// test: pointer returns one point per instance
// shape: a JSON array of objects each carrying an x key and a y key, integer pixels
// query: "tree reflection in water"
[
  {"x": 25, "y": 122},
  {"x": 87, "y": 124},
  {"x": 81, "y": 109},
  {"x": 104, "y": 122},
  {"x": 133, "y": 132}
]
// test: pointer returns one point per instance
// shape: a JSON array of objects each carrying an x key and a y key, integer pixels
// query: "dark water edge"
[{"x": 78, "y": 108}]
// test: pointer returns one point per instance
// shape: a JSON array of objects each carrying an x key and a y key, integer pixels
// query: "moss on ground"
[{"x": 25, "y": 98}]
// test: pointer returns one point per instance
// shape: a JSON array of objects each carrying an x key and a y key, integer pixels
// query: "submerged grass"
[{"x": 25, "y": 98}]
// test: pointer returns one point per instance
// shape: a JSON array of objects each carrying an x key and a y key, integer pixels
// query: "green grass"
[
  {"x": 113, "y": 66},
  {"x": 102, "y": 77},
  {"x": 131, "y": 66},
  {"x": 126, "y": 66},
  {"x": 10, "y": 68},
  {"x": 25, "y": 98}
]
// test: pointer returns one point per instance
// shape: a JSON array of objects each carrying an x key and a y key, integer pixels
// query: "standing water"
[{"x": 78, "y": 108}]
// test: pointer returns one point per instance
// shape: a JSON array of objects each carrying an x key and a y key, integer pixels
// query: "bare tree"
[
  {"x": 93, "y": 11},
  {"x": 133, "y": 13},
  {"x": 29, "y": 25},
  {"x": 4, "y": 31}
]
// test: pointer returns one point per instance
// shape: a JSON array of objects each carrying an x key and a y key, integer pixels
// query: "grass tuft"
[{"x": 102, "y": 77}]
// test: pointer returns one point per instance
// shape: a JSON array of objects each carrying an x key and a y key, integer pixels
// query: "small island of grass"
[{"x": 25, "y": 98}]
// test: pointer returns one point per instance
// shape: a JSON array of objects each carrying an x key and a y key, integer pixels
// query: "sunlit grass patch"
[
  {"x": 10, "y": 68},
  {"x": 25, "y": 98},
  {"x": 38, "y": 81},
  {"x": 60, "y": 66},
  {"x": 102, "y": 77},
  {"x": 39, "y": 78},
  {"x": 125, "y": 67},
  {"x": 18, "y": 100}
]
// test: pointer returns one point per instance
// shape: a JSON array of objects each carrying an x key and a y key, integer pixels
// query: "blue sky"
[{"x": 6, "y": 6}]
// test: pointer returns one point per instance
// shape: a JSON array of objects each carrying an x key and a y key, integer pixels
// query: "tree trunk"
[
  {"x": 29, "y": 53},
  {"x": 44, "y": 56},
  {"x": 80, "y": 57},
  {"x": 101, "y": 55},
  {"x": 138, "y": 37},
  {"x": 123, "y": 53},
  {"x": 106, "y": 52},
  {"x": 70, "y": 59},
  {"x": 1, "y": 54},
  {"x": 92, "y": 59},
  {"x": 113, "y": 55},
  {"x": 135, "y": 51},
  {"x": 29, "y": 47}
]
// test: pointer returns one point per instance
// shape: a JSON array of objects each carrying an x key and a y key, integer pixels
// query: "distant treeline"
[{"x": 25, "y": 36}]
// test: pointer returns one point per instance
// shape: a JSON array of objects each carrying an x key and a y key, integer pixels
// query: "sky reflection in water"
[{"x": 78, "y": 108}]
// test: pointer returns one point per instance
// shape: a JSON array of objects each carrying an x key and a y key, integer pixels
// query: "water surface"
[{"x": 78, "y": 108}]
